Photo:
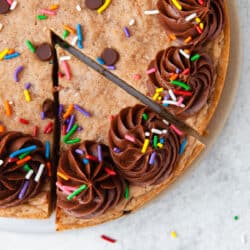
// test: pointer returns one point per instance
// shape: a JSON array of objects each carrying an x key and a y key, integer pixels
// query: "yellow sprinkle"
[
  {"x": 159, "y": 98},
  {"x": 2, "y": 128},
  {"x": 155, "y": 96},
  {"x": 177, "y": 4},
  {"x": 172, "y": 37},
  {"x": 69, "y": 111},
  {"x": 7, "y": 108},
  {"x": 159, "y": 90},
  {"x": 197, "y": 20},
  {"x": 188, "y": 39},
  {"x": 62, "y": 176},
  {"x": 3, "y": 53},
  {"x": 27, "y": 95},
  {"x": 187, "y": 51},
  {"x": 145, "y": 146},
  {"x": 54, "y": 7},
  {"x": 173, "y": 234},
  {"x": 159, "y": 145},
  {"x": 104, "y": 6},
  {"x": 202, "y": 26}
]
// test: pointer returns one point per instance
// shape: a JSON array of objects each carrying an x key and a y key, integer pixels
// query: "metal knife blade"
[{"x": 122, "y": 84}]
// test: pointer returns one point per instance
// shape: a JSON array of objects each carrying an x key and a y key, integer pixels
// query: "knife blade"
[{"x": 122, "y": 84}]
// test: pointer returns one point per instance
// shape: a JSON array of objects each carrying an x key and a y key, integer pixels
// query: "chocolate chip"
[
  {"x": 44, "y": 52},
  {"x": 110, "y": 56},
  {"x": 94, "y": 4},
  {"x": 49, "y": 108},
  {"x": 4, "y": 6}
]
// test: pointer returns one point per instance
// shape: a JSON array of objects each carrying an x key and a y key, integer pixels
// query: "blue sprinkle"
[
  {"x": 79, "y": 32},
  {"x": 85, "y": 161},
  {"x": 183, "y": 145},
  {"x": 162, "y": 140},
  {"x": 11, "y": 56},
  {"x": 23, "y": 150},
  {"x": 79, "y": 43},
  {"x": 100, "y": 60},
  {"x": 47, "y": 149},
  {"x": 165, "y": 104}
]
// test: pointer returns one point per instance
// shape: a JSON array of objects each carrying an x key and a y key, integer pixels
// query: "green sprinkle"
[
  {"x": 181, "y": 84},
  {"x": 76, "y": 192},
  {"x": 195, "y": 57},
  {"x": 155, "y": 141},
  {"x": 71, "y": 132},
  {"x": 126, "y": 194},
  {"x": 65, "y": 34},
  {"x": 145, "y": 116},
  {"x": 236, "y": 217},
  {"x": 73, "y": 141},
  {"x": 24, "y": 155},
  {"x": 30, "y": 46},
  {"x": 41, "y": 17},
  {"x": 26, "y": 167}
]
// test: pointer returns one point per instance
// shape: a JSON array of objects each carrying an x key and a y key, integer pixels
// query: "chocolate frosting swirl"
[
  {"x": 133, "y": 164},
  {"x": 104, "y": 190},
  {"x": 12, "y": 176},
  {"x": 200, "y": 78},
  {"x": 211, "y": 14}
]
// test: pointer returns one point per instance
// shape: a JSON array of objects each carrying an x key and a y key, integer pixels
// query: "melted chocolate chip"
[
  {"x": 49, "y": 109},
  {"x": 44, "y": 52},
  {"x": 110, "y": 56},
  {"x": 125, "y": 212},
  {"x": 4, "y": 6},
  {"x": 94, "y": 4}
]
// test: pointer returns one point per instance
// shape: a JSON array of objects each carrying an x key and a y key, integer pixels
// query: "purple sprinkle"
[
  {"x": 42, "y": 115},
  {"x": 113, "y": 67},
  {"x": 81, "y": 110},
  {"x": 60, "y": 110},
  {"x": 178, "y": 71},
  {"x": 23, "y": 190},
  {"x": 99, "y": 149},
  {"x": 27, "y": 85},
  {"x": 79, "y": 151},
  {"x": 79, "y": 128},
  {"x": 17, "y": 71},
  {"x": 71, "y": 123},
  {"x": 117, "y": 150},
  {"x": 152, "y": 158},
  {"x": 166, "y": 97},
  {"x": 126, "y": 31}
]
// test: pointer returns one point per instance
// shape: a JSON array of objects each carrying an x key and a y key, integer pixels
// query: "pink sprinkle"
[
  {"x": 176, "y": 130},
  {"x": 66, "y": 69},
  {"x": 180, "y": 101},
  {"x": 137, "y": 76},
  {"x": 9, "y": 2},
  {"x": 59, "y": 185},
  {"x": 130, "y": 138},
  {"x": 150, "y": 71},
  {"x": 48, "y": 12},
  {"x": 69, "y": 188}
]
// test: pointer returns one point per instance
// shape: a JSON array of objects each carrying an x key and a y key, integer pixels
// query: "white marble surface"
[{"x": 200, "y": 207}]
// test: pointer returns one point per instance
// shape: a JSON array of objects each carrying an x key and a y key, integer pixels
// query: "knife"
[{"x": 122, "y": 84}]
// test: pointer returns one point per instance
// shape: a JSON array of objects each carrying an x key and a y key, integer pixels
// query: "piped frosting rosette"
[
  {"x": 181, "y": 80},
  {"x": 145, "y": 147},
  {"x": 88, "y": 184},
  {"x": 192, "y": 22},
  {"x": 22, "y": 168}
]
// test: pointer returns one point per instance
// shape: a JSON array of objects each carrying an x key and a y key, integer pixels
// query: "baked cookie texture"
[
  {"x": 103, "y": 100},
  {"x": 147, "y": 38},
  {"x": 35, "y": 76},
  {"x": 136, "y": 45}
]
